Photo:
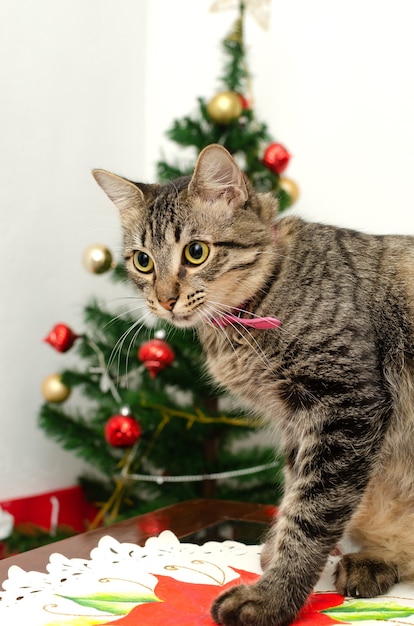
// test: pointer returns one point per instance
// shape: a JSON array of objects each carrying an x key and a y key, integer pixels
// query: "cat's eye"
[
  {"x": 196, "y": 252},
  {"x": 143, "y": 262}
]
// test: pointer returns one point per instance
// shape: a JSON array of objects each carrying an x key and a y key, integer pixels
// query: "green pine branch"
[{"x": 74, "y": 434}]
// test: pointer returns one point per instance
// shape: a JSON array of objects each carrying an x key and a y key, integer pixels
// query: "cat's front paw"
[
  {"x": 244, "y": 605},
  {"x": 359, "y": 575}
]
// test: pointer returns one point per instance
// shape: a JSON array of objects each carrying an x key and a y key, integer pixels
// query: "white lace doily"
[
  {"x": 117, "y": 569},
  {"x": 119, "y": 578}
]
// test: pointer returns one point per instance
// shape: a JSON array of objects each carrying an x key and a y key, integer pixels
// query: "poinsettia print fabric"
[{"x": 168, "y": 582}]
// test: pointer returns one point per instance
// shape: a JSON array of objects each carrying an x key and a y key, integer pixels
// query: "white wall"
[
  {"x": 96, "y": 83},
  {"x": 333, "y": 80},
  {"x": 72, "y": 98}
]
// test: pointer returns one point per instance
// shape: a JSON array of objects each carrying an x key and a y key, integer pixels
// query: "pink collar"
[
  {"x": 256, "y": 322},
  {"x": 229, "y": 319}
]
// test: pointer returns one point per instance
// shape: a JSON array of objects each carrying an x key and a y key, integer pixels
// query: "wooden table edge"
[{"x": 182, "y": 519}]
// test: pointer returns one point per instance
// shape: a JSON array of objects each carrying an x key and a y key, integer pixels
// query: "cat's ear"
[
  {"x": 217, "y": 176},
  {"x": 123, "y": 193}
]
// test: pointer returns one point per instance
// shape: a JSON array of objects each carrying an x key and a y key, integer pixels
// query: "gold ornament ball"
[
  {"x": 290, "y": 187},
  {"x": 54, "y": 390},
  {"x": 225, "y": 107},
  {"x": 97, "y": 259}
]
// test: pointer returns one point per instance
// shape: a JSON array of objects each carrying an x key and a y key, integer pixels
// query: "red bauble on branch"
[
  {"x": 61, "y": 337},
  {"x": 122, "y": 430},
  {"x": 156, "y": 354},
  {"x": 244, "y": 101},
  {"x": 276, "y": 158}
]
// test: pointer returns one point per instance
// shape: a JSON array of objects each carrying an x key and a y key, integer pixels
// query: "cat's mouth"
[{"x": 182, "y": 320}]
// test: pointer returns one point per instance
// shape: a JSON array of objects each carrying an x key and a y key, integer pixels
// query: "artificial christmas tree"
[
  {"x": 228, "y": 118},
  {"x": 151, "y": 424}
]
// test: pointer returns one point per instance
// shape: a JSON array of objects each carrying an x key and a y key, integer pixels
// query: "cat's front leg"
[
  {"x": 282, "y": 590},
  {"x": 327, "y": 477}
]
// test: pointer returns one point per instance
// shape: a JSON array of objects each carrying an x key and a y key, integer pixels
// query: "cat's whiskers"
[
  {"x": 141, "y": 307},
  {"x": 120, "y": 298},
  {"x": 136, "y": 333},
  {"x": 250, "y": 338},
  {"x": 206, "y": 319},
  {"x": 117, "y": 350},
  {"x": 280, "y": 329},
  {"x": 139, "y": 324},
  {"x": 120, "y": 342}
]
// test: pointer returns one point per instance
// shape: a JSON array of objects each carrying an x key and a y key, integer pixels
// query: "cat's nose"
[{"x": 169, "y": 304}]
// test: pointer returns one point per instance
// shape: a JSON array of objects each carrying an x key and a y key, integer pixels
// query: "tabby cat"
[{"x": 311, "y": 326}]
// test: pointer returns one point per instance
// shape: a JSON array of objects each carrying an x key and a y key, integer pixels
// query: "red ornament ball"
[
  {"x": 244, "y": 101},
  {"x": 276, "y": 158},
  {"x": 122, "y": 431},
  {"x": 61, "y": 337},
  {"x": 156, "y": 354}
]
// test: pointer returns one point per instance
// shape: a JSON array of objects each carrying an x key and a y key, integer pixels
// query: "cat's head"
[{"x": 196, "y": 247}]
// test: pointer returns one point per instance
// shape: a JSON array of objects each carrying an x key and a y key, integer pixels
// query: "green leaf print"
[
  {"x": 114, "y": 603},
  {"x": 362, "y": 610}
]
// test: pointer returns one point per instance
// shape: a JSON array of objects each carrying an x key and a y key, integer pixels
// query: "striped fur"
[{"x": 336, "y": 381}]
